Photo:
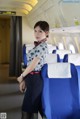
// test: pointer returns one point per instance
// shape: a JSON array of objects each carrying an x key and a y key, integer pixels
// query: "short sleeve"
[{"x": 40, "y": 51}]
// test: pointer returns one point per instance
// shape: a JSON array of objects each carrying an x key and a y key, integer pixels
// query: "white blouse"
[{"x": 39, "y": 51}]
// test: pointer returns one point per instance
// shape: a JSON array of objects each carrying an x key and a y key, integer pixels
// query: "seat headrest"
[
  {"x": 59, "y": 70},
  {"x": 51, "y": 47},
  {"x": 62, "y": 53},
  {"x": 74, "y": 58},
  {"x": 51, "y": 58}
]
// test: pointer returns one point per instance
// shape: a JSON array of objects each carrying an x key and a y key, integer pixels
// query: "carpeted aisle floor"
[{"x": 10, "y": 100}]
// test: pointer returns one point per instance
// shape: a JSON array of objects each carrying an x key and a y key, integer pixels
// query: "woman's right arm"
[{"x": 30, "y": 68}]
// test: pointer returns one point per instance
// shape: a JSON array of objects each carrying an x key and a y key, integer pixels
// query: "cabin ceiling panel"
[
  {"x": 53, "y": 17},
  {"x": 40, "y": 8},
  {"x": 48, "y": 4},
  {"x": 50, "y": 15},
  {"x": 37, "y": 18},
  {"x": 39, "y": 4},
  {"x": 35, "y": 14},
  {"x": 19, "y": 6},
  {"x": 41, "y": 12},
  {"x": 71, "y": 11},
  {"x": 58, "y": 13}
]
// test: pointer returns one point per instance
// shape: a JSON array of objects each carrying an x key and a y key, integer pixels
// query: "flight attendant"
[{"x": 30, "y": 80}]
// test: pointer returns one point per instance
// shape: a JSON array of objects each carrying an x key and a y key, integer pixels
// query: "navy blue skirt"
[{"x": 32, "y": 97}]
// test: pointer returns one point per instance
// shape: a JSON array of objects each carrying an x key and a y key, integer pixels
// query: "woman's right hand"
[
  {"x": 20, "y": 79},
  {"x": 22, "y": 86}
]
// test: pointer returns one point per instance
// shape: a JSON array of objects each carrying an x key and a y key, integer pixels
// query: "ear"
[{"x": 47, "y": 33}]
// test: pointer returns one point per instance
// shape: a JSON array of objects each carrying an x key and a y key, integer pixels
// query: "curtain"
[{"x": 15, "y": 46}]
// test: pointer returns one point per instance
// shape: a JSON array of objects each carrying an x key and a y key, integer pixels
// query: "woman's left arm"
[{"x": 30, "y": 68}]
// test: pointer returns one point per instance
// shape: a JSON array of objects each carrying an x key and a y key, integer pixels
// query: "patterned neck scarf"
[{"x": 36, "y": 43}]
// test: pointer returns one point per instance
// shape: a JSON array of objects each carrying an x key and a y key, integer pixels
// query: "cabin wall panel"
[
  {"x": 4, "y": 40},
  {"x": 27, "y": 32}
]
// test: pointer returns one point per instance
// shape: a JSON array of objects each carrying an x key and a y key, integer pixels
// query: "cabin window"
[
  {"x": 61, "y": 46},
  {"x": 71, "y": 47}
]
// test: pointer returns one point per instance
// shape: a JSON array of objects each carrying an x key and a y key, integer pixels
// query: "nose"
[{"x": 37, "y": 33}]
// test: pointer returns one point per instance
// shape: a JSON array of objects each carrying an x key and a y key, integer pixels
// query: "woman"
[{"x": 31, "y": 79}]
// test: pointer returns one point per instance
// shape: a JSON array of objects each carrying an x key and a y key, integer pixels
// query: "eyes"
[{"x": 39, "y": 31}]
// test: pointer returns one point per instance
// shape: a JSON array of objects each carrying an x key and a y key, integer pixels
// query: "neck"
[
  {"x": 36, "y": 43},
  {"x": 43, "y": 40}
]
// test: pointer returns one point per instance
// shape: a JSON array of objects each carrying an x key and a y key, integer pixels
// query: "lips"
[{"x": 37, "y": 37}]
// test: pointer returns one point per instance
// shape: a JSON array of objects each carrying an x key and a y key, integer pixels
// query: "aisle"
[{"x": 10, "y": 96}]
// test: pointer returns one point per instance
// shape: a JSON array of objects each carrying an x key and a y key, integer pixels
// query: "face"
[{"x": 39, "y": 33}]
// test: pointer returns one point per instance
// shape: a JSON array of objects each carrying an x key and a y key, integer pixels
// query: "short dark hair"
[{"x": 43, "y": 25}]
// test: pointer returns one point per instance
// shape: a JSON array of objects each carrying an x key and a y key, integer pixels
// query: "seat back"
[
  {"x": 26, "y": 48},
  {"x": 72, "y": 58},
  {"x": 60, "y": 92},
  {"x": 75, "y": 59},
  {"x": 24, "y": 56}
]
